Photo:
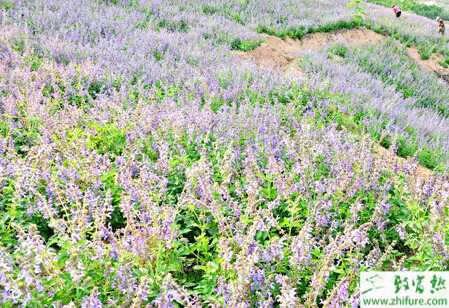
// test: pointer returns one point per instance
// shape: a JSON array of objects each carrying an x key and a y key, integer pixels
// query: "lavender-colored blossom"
[{"x": 92, "y": 302}]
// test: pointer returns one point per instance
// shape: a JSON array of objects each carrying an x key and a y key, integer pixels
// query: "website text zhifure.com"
[{"x": 406, "y": 301}]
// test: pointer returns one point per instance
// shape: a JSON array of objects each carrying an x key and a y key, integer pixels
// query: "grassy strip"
[{"x": 301, "y": 31}]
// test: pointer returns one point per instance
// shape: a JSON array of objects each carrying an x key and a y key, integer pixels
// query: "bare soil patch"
[{"x": 281, "y": 53}]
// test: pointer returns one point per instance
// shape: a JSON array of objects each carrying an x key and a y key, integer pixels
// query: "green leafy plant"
[
  {"x": 108, "y": 139},
  {"x": 429, "y": 158},
  {"x": 6, "y": 5},
  {"x": 174, "y": 26},
  {"x": 245, "y": 45},
  {"x": 339, "y": 50},
  {"x": 111, "y": 187}
]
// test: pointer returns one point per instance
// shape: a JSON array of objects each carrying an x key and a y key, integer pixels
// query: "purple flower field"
[{"x": 144, "y": 164}]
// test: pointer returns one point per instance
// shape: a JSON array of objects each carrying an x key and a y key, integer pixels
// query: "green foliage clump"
[
  {"x": 4, "y": 129},
  {"x": 338, "y": 50},
  {"x": 35, "y": 61},
  {"x": 108, "y": 140},
  {"x": 6, "y": 5},
  {"x": 19, "y": 45},
  {"x": 149, "y": 150},
  {"x": 199, "y": 252},
  {"x": 445, "y": 62},
  {"x": 301, "y": 31},
  {"x": 426, "y": 50},
  {"x": 95, "y": 88},
  {"x": 173, "y": 26},
  {"x": 26, "y": 135},
  {"x": 158, "y": 55},
  {"x": 82, "y": 92},
  {"x": 406, "y": 148},
  {"x": 146, "y": 21},
  {"x": 209, "y": 9},
  {"x": 113, "y": 2},
  {"x": 14, "y": 211},
  {"x": 430, "y": 159},
  {"x": 245, "y": 45},
  {"x": 111, "y": 187}
]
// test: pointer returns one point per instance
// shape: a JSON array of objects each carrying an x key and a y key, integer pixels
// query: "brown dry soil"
[{"x": 280, "y": 54}]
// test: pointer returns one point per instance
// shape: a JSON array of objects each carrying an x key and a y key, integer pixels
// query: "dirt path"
[{"x": 431, "y": 65}]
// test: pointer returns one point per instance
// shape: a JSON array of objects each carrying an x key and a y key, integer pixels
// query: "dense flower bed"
[{"x": 141, "y": 163}]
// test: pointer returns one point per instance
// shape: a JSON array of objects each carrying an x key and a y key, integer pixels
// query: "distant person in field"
[
  {"x": 441, "y": 26},
  {"x": 397, "y": 10}
]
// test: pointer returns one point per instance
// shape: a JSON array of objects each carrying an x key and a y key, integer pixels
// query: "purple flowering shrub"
[
  {"x": 405, "y": 75},
  {"x": 280, "y": 14},
  {"x": 374, "y": 92},
  {"x": 142, "y": 165}
]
